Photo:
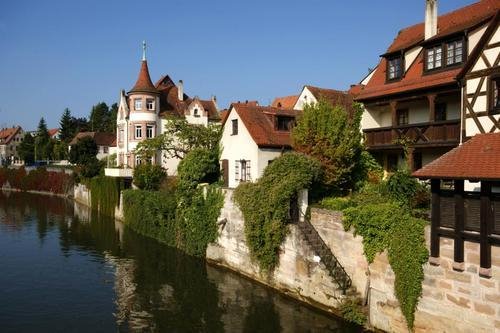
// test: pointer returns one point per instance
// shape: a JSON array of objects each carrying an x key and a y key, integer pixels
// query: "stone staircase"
[{"x": 333, "y": 266}]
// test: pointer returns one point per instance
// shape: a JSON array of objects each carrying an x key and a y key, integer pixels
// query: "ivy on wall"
[
  {"x": 266, "y": 204},
  {"x": 105, "y": 194}
]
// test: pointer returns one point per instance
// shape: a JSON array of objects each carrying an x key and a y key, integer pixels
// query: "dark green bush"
[
  {"x": 266, "y": 204},
  {"x": 199, "y": 166},
  {"x": 148, "y": 176},
  {"x": 352, "y": 311}
]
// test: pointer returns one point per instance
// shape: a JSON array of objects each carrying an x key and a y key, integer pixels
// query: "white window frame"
[
  {"x": 138, "y": 160},
  {"x": 137, "y": 104},
  {"x": 150, "y": 104},
  {"x": 138, "y": 131},
  {"x": 121, "y": 135},
  {"x": 150, "y": 132},
  {"x": 244, "y": 175}
]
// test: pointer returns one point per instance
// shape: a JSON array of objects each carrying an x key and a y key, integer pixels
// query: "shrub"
[
  {"x": 266, "y": 204},
  {"x": 199, "y": 166},
  {"x": 149, "y": 177},
  {"x": 105, "y": 194},
  {"x": 351, "y": 310}
]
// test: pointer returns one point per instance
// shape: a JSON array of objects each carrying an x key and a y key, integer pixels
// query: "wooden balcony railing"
[{"x": 442, "y": 133}]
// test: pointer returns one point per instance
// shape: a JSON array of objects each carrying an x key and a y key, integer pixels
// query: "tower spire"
[{"x": 143, "y": 50}]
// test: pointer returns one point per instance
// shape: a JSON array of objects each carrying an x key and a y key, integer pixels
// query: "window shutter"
[
  {"x": 248, "y": 171},
  {"x": 236, "y": 170}
]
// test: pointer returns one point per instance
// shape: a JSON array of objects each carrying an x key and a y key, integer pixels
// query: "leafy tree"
[
  {"x": 66, "y": 127},
  {"x": 149, "y": 177},
  {"x": 113, "y": 114},
  {"x": 99, "y": 117},
  {"x": 79, "y": 125},
  {"x": 199, "y": 166},
  {"x": 83, "y": 154},
  {"x": 60, "y": 150},
  {"x": 329, "y": 134},
  {"x": 179, "y": 138},
  {"x": 26, "y": 149}
]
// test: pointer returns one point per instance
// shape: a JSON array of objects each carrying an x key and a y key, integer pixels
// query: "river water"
[{"x": 64, "y": 269}]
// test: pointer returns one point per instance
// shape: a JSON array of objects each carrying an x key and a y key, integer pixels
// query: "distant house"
[
  {"x": 286, "y": 102},
  {"x": 144, "y": 111},
  {"x": 54, "y": 133},
  {"x": 432, "y": 75},
  {"x": 10, "y": 138},
  {"x": 106, "y": 142},
  {"x": 311, "y": 95},
  {"x": 252, "y": 137}
]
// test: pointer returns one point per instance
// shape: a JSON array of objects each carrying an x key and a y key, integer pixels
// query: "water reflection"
[{"x": 118, "y": 280}]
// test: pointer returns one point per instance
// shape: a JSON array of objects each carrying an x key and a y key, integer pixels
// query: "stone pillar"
[{"x": 435, "y": 220}]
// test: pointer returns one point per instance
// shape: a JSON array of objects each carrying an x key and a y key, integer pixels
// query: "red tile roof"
[
  {"x": 170, "y": 105},
  {"x": 449, "y": 23},
  {"x": 477, "y": 159},
  {"x": 286, "y": 102},
  {"x": 211, "y": 108},
  {"x": 100, "y": 138},
  {"x": 6, "y": 134},
  {"x": 53, "y": 131},
  {"x": 260, "y": 123},
  {"x": 144, "y": 83},
  {"x": 336, "y": 97},
  {"x": 459, "y": 20}
]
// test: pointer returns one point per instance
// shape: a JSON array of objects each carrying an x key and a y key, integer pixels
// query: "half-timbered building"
[{"x": 413, "y": 98}]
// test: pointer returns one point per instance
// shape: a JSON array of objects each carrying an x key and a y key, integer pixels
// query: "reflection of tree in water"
[{"x": 261, "y": 317}]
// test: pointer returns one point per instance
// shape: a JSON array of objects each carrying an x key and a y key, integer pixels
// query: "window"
[
  {"x": 494, "y": 94},
  {"x": 105, "y": 149},
  {"x": 150, "y": 104},
  {"x": 394, "y": 68},
  {"x": 149, "y": 131},
  {"x": 284, "y": 123},
  {"x": 454, "y": 51},
  {"x": 137, "y": 104},
  {"x": 392, "y": 162},
  {"x": 440, "y": 111},
  {"x": 234, "y": 122},
  {"x": 244, "y": 167},
  {"x": 196, "y": 112},
  {"x": 138, "y": 160},
  {"x": 120, "y": 136},
  {"x": 138, "y": 131},
  {"x": 402, "y": 116},
  {"x": 444, "y": 55},
  {"x": 434, "y": 57}
]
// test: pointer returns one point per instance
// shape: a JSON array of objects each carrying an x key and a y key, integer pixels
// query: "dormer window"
[
  {"x": 150, "y": 104},
  {"x": 284, "y": 123},
  {"x": 137, "y": 104},
  {"x": 444, "y": 55},
  {"x": 394, "y": 68}
]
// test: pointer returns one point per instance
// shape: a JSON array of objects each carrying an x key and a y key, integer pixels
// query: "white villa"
[{"x": 143, "y": 113}]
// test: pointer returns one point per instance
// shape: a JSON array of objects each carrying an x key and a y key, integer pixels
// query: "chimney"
[
  {"x": 180, "y": 91},
  {"x": 214, "y": 100},
  {"x": 430, "y": 18}
]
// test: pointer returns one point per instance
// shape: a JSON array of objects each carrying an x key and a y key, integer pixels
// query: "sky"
[{"x": 61, "y": 53}]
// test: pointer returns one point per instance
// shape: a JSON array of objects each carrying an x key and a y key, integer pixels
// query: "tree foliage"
[
  {"x": 149, "y": 176},
  {"x": 179, "y": 138},
  {"x": 102, "y": 118},
  {"x": 66, "y": 128},
  {"x": 43, "y": 146},
  {"x": 266, "y": 204},
  {"x": 26, "y": 149},
  {"x": 329, "y": 134},
  {"x": 83, "y": 154}
]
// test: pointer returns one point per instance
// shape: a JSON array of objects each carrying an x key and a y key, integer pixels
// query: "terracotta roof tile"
[
  {"x": 211, "y": 108},
  {"x": 477, "y": 159},
  {"x": 336, "y": 97},
  {"x": 259, "y": 120},
  {"x": 144, "y": 83},
  {"x": 100, "y": 138},
  {"x": 170, "y": 105},
  {"x": 53, "y": 131},
  {"x": 286, "y": 102},
  {"x": 414, "y": 78},
  {"x": 449, "y": 23},
  {"x": 7, "y": 134}
]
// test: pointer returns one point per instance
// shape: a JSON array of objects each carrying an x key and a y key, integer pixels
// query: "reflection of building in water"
[
  {"x": 252, "y": 308},
  {"x": 82, "y": 212},
  {"x": 129, "y": 313}
]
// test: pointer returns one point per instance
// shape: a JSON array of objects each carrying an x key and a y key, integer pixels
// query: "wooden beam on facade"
[
  {"x": 435, "y": 216},
  {"x": 486, "y": 223},
  {"x": 459, "y": 223}
]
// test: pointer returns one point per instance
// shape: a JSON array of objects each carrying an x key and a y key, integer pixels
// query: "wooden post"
[
  {"x": 410, "y": 161},
  {"x": 459, "y": 226},
  {"x": 394, "y": 115},
  {"x": 486, "y": 221},
  {"x": 435, "y": 220},
  {"x": 432, "y": 107},
  {"x": 225, "y": 172}
]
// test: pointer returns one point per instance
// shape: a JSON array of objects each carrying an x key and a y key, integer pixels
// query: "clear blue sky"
[{"x": 64, "y": 53}]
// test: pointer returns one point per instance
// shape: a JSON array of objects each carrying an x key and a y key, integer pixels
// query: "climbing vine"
[
  {"x": 266, "y": 204},
  {"x": 105, "y": 194},
  {"x": 389, "y": 225}
]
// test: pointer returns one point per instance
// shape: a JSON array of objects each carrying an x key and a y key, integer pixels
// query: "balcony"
[
  {"x": 117, "y": 172},
  {"x": 436, "y": 134}
]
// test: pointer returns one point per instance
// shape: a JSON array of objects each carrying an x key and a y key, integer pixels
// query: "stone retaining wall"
[{"x": 451, "y": 301}]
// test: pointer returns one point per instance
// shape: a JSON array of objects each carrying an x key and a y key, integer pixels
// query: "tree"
[
  {"x": 66, "y": 128},
  {"x": 179, "y": 138},
  {"x": 60, "y": 150},
  {"x": 113, "y": 114},
  {"x": 332, "y": 136},
  {"x": 79, "y": 125},
  {"x": 26, "y": 149},
  {"x": 149, "y": 177},
  {"x": 42, "y": 141},
  {"x": 83, "y": 154},
  {"x": 99, "y": 117}
]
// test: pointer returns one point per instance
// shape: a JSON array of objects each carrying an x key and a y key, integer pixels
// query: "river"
[{"x": 65, "y": 269}]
